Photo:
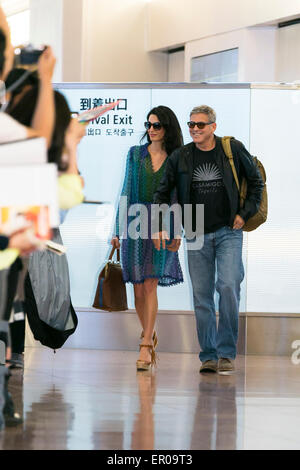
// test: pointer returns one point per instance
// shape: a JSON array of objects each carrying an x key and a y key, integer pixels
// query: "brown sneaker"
[
  {"x": 225, "y": 365},
  {"x": 209, "y": 366}
]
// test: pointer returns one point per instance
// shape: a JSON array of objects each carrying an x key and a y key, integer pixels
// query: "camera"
[{"x": 27, "y": 55}]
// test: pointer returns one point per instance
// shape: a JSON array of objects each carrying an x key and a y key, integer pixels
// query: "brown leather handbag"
[{"x": 111, "y": 290}]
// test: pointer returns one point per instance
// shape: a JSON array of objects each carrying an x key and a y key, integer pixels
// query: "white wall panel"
[
  {"x": 115, "y": 43},
  {"x": 273, "y": 283},
  {"x": 271, "y": 254},
  {"x": 11, "y": 7},
  {"x": 288, "y": 54},
  {"x": 46, "y": 27},
  {"x": 87, "y": 229},
  {"x": 232, "y": 107},
  {"x": 174, "y": 22},
  {"x": 256, "y": 50}
]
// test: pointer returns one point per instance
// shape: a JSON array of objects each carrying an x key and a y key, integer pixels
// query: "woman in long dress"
[{"x": 143, "y": 265}]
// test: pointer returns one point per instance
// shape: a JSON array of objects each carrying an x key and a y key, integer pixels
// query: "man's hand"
[
  {"x": 238, "y": 222},
  {"x": 174, "y": 245},
  {"x": 46, "y": 65},
  {"x": 160, "y": 238}
]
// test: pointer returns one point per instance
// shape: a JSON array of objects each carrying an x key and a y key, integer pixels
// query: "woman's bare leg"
[
  {"x": 139, "y": 302},
  {"x": 150, "y": 313}
]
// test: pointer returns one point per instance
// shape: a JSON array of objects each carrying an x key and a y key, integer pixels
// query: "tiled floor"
[{"x": 79, "y": 399}]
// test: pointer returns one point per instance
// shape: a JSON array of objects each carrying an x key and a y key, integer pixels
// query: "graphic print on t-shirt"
[
  {"x": 207, "y": 179},
  {"x": 208, "y": 188}
]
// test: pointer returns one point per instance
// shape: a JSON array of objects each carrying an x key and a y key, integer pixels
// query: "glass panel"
[{"x": 218, "y": 67}]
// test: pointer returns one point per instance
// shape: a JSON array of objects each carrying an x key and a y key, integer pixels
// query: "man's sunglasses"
[
  {"x": 156, "y": 125},
  {"x": 200, "y": 125}
]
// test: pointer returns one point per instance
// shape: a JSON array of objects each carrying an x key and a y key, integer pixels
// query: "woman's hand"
[
  {"x": 46, "y": 65},
  {"x": 115, "y": 242}
]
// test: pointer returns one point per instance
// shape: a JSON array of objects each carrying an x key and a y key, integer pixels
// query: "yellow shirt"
[
  {"x": 8, "y": 257},
  {"x": 70, "y": 191}
]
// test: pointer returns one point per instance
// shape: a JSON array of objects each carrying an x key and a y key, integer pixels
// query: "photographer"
[
  {"x": 41, "y": 124},
  {"x": 44, "y": 114},
  {"x": 63, "y": 151},
  {"x": 22, "y": 242}
]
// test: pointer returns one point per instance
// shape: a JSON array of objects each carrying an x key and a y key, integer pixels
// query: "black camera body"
[{"x": 27, "y": 56}]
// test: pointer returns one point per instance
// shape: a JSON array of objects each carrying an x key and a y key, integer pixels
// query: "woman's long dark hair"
[
  {"x": 23, "y": 112},
  {"x": 13, "y": 77},
  {"x": 173, "y": 135}
]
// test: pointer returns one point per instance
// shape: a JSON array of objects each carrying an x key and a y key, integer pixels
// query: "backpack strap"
[{"x": 228, "y": 152}]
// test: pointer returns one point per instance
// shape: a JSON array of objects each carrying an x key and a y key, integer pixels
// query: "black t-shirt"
[{"x": 208, "y": 188}]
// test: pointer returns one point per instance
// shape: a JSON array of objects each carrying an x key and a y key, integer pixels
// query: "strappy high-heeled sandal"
[
  {"x": 146, "y": 365},
  {"x": 154, "y": 338}
]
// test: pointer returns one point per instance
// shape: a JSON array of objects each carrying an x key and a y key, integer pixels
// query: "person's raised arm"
[
  {"x": 73, "y": 137},
  {"x": 9, "y": 51},
  {"x": 44, "y": 115}
]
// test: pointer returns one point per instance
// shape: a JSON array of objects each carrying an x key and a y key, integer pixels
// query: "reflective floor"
[{"x": 79, "y": 399}]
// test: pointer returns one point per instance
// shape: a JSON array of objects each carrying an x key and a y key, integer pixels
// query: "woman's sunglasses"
[
  {"x": 156, "y": 125},
  {"x": 200, "y": 125}
]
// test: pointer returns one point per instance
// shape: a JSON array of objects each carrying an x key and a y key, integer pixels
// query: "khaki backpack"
[{"x": 261, "y": 215}]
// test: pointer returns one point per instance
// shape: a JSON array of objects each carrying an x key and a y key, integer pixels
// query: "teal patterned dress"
[{"x": 140, "y": 259}]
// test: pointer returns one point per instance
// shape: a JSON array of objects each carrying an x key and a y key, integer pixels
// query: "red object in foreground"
[{"x": 39, "y": 216}]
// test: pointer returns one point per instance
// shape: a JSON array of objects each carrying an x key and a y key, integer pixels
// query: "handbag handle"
[{"x": 112, "y": 254}]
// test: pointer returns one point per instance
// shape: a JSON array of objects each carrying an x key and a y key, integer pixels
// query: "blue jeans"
[{"x": 217, "y": 266}]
